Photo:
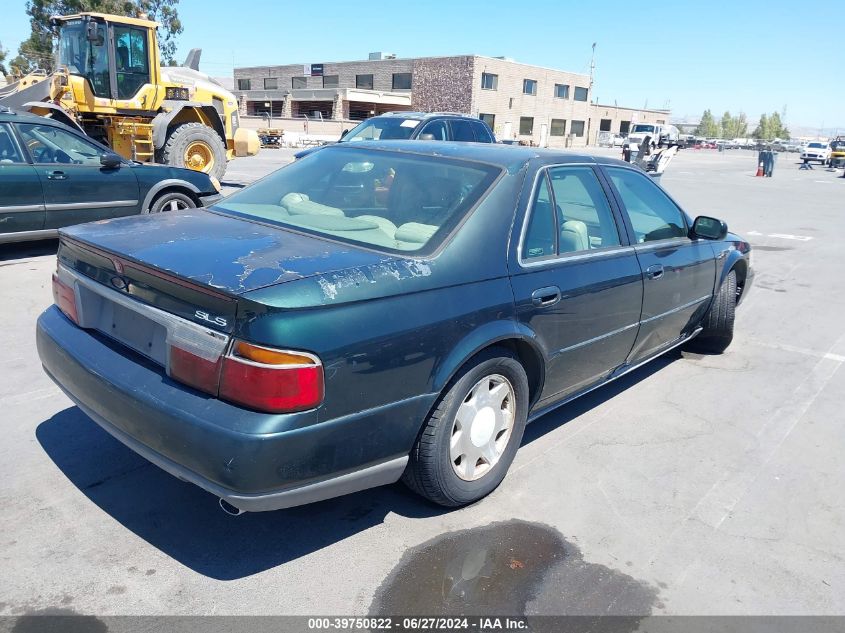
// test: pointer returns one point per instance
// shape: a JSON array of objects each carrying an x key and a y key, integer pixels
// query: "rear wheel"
[
  {"x": 195, "y": 146},
  {"x": 470, "y": 439},
  {"x": 718, "y": 324}
]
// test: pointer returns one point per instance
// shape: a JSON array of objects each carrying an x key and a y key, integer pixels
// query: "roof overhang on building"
[{"x": 329, "y": 94}]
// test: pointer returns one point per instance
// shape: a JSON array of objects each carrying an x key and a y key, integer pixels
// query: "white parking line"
[
  {"x": 798, "y": 350},
  {"x": 781, "y": 236}
]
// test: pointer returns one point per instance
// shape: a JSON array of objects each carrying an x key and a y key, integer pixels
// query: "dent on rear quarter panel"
[{"x": 385, "y": 349}]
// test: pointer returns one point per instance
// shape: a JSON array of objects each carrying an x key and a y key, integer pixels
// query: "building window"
[
  {"x": 271, "y": 83},
  {"x": 243, "y": 84},
  {"x": 577, "y": 128},
  {"x": 580, "y": 94},
  {"x": 526, "y": 125},
  {"x": 489, "y": 119},
  {"x": 489, "y": 81},
  {"x": 604, "y": 125},
  {"x": 401, "y": 81},
  {"x": 529, "y": 87},
  {"x": 365, "y": 82},
  {"x": 558, "y": 127},
  {"x": 298, "y": 82},
  {"x": 561, "y": 91},
  {"x": 624, "y": 127},
  {"x": 330, "y": 81}
]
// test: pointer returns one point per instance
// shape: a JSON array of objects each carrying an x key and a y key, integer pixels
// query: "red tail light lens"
[
  {"x": 271, "y": 380},
  {"x": 65, "y": 298},
  {"x": 193, "y": 370}
]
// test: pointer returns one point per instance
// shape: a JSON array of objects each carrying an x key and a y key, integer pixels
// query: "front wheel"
[
  {"x": 470, "y": 439},
  {"x": 195, "y": 146},
  {"x": 718, "y": 323},
  {"x": 171, "y": 201}
]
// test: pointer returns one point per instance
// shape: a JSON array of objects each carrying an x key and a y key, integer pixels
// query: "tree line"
[
  {"x": 771, "y": 126},
  {"x": 36, "y": 52}
]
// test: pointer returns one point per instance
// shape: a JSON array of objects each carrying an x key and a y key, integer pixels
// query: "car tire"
[
  {"x": 718, "y": 323},
  {"x": 195, "y": 140},
  {"x": 432, "y": 469},
  {"x": 171, "y": 201}
]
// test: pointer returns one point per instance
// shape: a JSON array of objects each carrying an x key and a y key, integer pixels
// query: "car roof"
[
  {"x": 8, "y": 116},
  {"x": 420, "y": 116},
  {"x": 498, "y": 154}
]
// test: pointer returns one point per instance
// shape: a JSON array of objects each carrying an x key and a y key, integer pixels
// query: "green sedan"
[{"x": 52, "y": 176}]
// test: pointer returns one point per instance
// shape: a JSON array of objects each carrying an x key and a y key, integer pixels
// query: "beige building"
[
  {"x": 618, "y": 120},
  {"x": 531, "y": 104}
]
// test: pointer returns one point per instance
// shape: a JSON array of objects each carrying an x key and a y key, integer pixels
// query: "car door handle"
[
  {"x": 545, "y": 297},
  {"x": 56, "y": 175},
  {"x": 654, "y": 272}
]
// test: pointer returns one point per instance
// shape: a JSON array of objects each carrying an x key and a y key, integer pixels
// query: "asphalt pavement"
[{"x": 695, "y": 485}]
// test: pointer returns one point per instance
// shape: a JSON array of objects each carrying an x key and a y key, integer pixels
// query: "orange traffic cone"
[{"x": 759, "y": 170}]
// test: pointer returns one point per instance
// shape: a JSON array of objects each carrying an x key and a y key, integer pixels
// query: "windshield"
[
  {"x": 84, "y": 58},
  {"x": 644, "y": 128},
  {"x": 816, "y": 145},
  {"x": 392, "y": 201},
  {"x": 382, "y": 128}
]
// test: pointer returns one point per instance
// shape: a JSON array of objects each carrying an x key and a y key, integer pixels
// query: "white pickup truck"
[{"x": 660, "y": 134}]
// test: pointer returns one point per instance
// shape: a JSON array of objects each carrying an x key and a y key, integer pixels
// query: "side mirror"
[
  {"x": 344, "y": 133},
  {"x": 110, "y": 160},
  {"x": 93, "y": 34},
  {"x": 427, "y": 137},
  {"x": 707, "y": 228}
]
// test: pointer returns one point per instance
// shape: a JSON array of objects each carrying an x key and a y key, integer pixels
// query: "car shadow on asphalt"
[
  {"x": 185, "y": 522},
  {"x": 22, "y": 250}
]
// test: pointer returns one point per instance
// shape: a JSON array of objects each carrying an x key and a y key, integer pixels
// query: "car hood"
[{"x": 225, "y": 253}]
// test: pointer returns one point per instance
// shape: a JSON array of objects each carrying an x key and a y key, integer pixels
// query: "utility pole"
[{"x": 590, "y": 91}]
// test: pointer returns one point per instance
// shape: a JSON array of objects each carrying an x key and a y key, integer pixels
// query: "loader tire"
[{"x": 195, "y": 146}]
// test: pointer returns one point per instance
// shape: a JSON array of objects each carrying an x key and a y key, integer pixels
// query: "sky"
[{"x": 747, "y": 55}]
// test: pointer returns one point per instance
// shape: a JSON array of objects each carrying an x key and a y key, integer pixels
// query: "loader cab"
[{"x": 117, "y": 58}]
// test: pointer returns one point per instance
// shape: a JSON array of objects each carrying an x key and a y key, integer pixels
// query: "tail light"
[
  {"x": 271, "y": 380},
  {"x": 65, "y": 298}
]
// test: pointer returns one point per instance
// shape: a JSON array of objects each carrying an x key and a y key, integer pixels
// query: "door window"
[
  {"x": 584, "y": 216},
  {"x": 8, "y": 148},
  {"x": 653, "y": 214},
  {"x": 540, "y": 235},
  {"x": 570, "y": 214},
  {"x": 462, "y": 131},
  {"x": 482, "y": 132},
  {"x": 437, "y": 129},
  {"x": 50, "y": 145},
  {"x": 132, "y": 61}
]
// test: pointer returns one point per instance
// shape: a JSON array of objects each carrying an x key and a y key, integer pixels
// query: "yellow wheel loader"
[{"x": 110, "y": 84}]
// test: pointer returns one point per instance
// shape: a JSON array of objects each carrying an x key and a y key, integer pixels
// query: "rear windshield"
[{"x": 389, "y": 200}]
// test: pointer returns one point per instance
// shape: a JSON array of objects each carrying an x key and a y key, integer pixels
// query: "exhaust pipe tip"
[{"x": 228, "y": 508}]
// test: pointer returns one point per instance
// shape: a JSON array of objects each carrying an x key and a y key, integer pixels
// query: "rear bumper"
[{"x": 221, "y": 448}]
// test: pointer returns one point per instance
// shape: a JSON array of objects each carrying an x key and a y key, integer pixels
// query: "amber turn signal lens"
[{"x": 269, "y": 356}]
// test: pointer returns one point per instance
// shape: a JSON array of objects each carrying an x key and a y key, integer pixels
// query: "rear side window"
[
  {"x": 462, "y": 131},
  {"x": 652, "y": 213},
  {"x": 540, "y": 240},
  {"x": 570, "y": 214},
  {"x": 8, "y": 148},
  {"x": 586, "y": 221},
  {"x": 482, "y": 132}
]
